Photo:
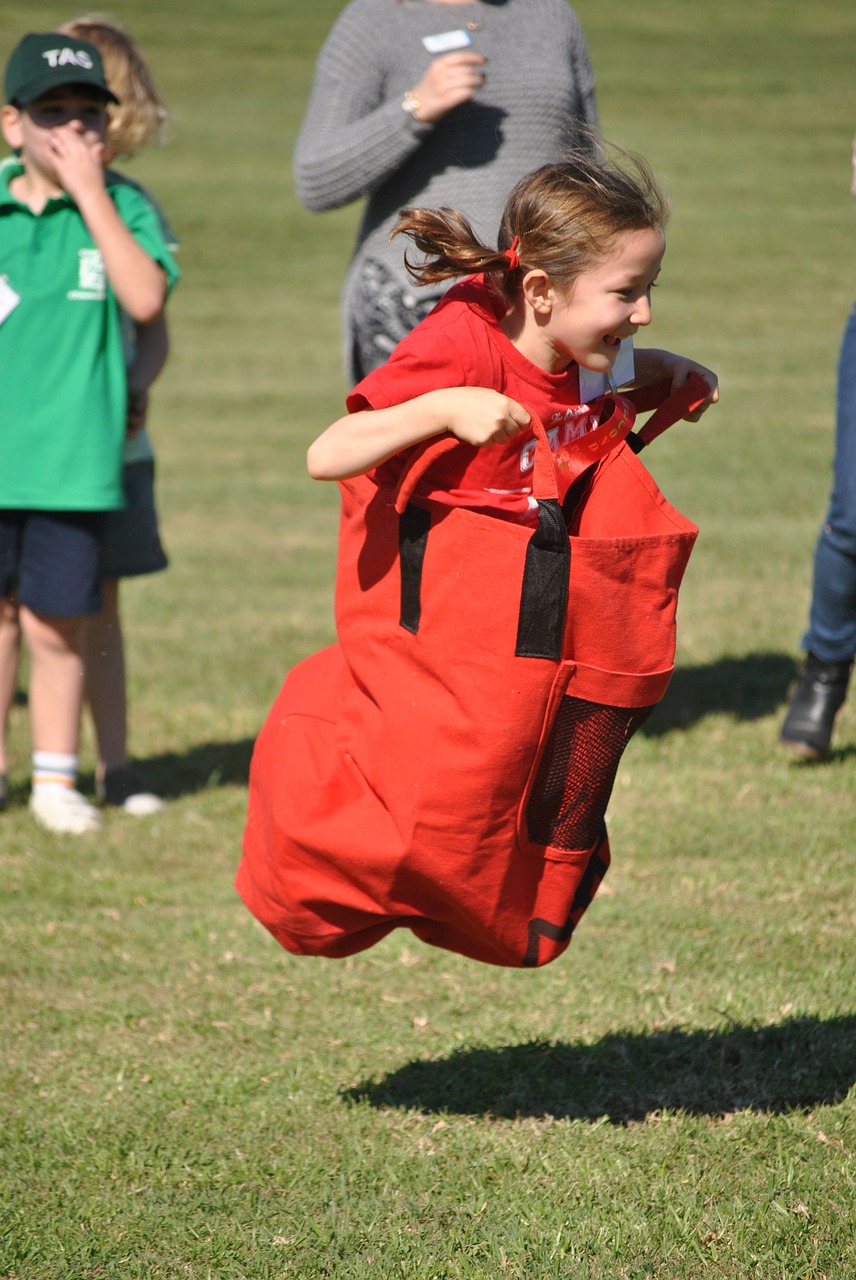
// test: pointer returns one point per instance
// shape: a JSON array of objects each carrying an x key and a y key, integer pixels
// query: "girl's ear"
[{"x": 538, "y": 291}]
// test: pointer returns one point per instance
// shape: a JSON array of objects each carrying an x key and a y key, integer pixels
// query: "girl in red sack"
[
  {"x": 506, "y": 593},
  {"x": 534, "y": 320}
]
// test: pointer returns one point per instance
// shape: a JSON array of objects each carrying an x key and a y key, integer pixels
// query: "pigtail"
[{"x": 450, "y": 246}]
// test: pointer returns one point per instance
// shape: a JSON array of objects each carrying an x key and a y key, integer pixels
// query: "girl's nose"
[{"x": 642, "y": 311}]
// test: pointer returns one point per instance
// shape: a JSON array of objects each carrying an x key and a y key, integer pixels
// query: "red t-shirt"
[{"x": 461, "y": 344}]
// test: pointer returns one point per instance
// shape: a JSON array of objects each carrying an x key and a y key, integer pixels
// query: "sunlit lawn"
[{"x": 673, "y": 1098}]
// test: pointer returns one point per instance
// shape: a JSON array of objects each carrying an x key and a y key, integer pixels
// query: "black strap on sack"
[
  {"x": 413, "y": 525},
  {"x": 544, "y": 590},
  {"x": 544, "y": 594}
]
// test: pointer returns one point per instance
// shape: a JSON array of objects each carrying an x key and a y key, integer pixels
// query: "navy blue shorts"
[
  {"x": 51, "y": 561},
  {"x": 132, "y": 543}
]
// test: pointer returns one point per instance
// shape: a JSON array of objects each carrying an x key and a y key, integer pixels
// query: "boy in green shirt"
[{"x": 73, "y": 251}]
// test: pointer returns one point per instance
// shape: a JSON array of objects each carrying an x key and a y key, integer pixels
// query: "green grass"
[{"x": 673, "y": 1098}]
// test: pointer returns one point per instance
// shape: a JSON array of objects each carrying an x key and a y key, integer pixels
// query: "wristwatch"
[{"x": 411, "y": 104}]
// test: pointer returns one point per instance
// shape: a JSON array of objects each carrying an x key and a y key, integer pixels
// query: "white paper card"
[
  {"x": 594, "y": 385},
  {"x": 9, "y": 299},
  {"x": 448, "y": 41}
]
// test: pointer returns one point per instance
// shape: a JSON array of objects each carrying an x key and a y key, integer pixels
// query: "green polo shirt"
[{"x": 62, "y": 365}]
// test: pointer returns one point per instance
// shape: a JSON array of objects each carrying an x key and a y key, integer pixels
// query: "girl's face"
[{"x": 608, "y": 302}]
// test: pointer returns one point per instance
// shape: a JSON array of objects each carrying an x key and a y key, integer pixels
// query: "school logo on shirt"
[
  {"x": 565, "y": 426},
  {"x": 91, "y": 283}
]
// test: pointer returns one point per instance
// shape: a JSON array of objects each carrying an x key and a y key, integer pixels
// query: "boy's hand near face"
[{"x": 78, "y": 161}]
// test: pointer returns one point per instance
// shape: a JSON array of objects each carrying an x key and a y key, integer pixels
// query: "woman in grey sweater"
[{"x": 434, "y": 102}]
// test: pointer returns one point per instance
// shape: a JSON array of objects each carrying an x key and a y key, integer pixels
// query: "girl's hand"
[
  {"x": 362, "y": 440},
  {"x": 450, "y": 80},
  {"x": 656, "y": 366},
  {"x": 138, "y": 408},
  {"x": 481, "y": 416}
]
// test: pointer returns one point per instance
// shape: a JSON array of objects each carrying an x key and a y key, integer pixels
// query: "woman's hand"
[{"x": 450, "y": 80}]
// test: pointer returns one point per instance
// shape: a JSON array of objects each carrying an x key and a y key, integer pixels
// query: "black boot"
[{"x": 820, "y": 689}]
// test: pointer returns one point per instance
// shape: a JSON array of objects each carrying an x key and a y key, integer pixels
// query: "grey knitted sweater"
[{"x": 357, "y": 141}]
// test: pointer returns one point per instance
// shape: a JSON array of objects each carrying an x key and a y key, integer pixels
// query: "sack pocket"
[{"x": 566, "y": 803}]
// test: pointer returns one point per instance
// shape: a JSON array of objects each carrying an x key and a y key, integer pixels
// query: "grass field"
[{"x": 675, "y": 1097}]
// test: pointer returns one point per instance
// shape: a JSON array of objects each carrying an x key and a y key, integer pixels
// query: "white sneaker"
[
  {"x": 142, "y": 804},
  {"x": 63, "y": 809}
]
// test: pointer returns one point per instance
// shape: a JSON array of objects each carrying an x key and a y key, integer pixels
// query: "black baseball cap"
[{"x": 42, "y": 61}]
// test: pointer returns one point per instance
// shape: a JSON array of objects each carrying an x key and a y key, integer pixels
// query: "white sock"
[{"x": 54, "y": 769}]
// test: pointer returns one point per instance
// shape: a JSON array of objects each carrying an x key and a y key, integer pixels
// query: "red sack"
[{"x": 447, "y": 765}]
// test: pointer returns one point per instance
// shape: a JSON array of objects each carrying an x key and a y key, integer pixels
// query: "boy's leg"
[
  {"x": 56, "y": 698},
  {"x": 10, "y": 635},
  {"x": 58, "y": 587},
  {"x": 10, "y": 644},
  {"x": 56, "y": 680}
]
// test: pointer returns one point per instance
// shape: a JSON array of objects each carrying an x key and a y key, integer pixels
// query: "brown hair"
[
  {"x": 141, "y": 116},
  {"x": 566, "y": 217}
]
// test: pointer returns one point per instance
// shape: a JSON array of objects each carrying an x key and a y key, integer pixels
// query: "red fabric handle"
[
  {"x": 669, "y": 406},
  {"x": 545, "y": 484}
]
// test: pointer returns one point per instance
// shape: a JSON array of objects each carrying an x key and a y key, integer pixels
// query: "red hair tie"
[{"x": 511, "y": 255}]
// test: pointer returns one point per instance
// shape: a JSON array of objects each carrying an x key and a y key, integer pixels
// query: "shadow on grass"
[
  {"x": 208, "y": 764},
  {"x": 797, "y": 1064},
  {"x": 173, "y": 773},
  {"x": 746, "y": 688},
  {"x": 185, "y": 773}
]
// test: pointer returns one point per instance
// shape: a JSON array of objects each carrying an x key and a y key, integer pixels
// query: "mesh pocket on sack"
[{"x": 577, "y": 771}]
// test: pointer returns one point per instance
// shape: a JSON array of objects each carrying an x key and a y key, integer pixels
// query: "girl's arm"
[
  {"x": 151, "y": 348},
  {"x": 360, "y": 441},
  {"x": 656, "y": 366}
]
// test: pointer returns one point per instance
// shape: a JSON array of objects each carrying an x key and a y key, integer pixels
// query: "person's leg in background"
[
  {"x": 10, "y": 650},
  {"x": 56, "y": 700},
  {"x": 830, "y": 641},
  {"x": 58, "y": 569},
  {"x": 131, "y": 547},
  {"x": 106, "y": 693}
]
